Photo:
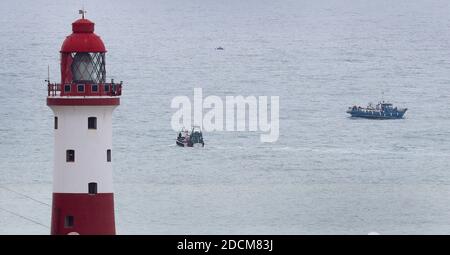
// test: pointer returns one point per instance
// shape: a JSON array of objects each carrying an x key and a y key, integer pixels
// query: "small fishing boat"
[{"x": 193, "y": 138}]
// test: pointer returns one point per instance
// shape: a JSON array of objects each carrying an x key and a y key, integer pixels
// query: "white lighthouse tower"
[{"x": 83, "y": 103}]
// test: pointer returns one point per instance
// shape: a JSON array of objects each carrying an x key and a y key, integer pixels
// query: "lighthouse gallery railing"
[{"x": 74, "y": 89}]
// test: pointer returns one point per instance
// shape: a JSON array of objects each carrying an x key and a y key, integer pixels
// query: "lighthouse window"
[
  {"x": 94, "y": 88},
  {"x": 92, "y": 188},
  {"x": 80, "y": 87},
  {"x": 70, "y": 156},
  {"x": 106, "y": 88},
  {"x": 68, "y": 222},
  {"x": 88, "y": 67},
  {"x": 56, "y": 122},
  {"x": 67, "y": 88},
  {"x": 92, "y": 123},
  {"x": 108, "y": 155}
]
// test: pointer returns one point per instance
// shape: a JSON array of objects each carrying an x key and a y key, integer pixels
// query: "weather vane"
[{"x": 82, "y": 12}]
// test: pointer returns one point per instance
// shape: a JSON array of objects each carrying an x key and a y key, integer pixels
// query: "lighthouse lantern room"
[{"x": 83, "y": 103}]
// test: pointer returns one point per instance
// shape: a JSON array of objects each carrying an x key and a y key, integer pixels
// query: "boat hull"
[
  {"x": 377, "y": 115},
  {"x": 181, "y": 144},
  {"x": 185, "y": 144}
]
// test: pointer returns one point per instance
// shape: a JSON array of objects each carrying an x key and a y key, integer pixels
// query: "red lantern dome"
[{"x": 83, "y": 38}]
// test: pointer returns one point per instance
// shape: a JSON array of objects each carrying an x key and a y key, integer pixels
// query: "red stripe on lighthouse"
[
  {"x": 92, "y": 214},
  {"x": 83, "y": 101}
]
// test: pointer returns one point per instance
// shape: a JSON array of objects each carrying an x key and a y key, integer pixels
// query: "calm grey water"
[{"x": 327, "y": 173}]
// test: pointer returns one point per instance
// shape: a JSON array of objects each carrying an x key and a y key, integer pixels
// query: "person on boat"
[{"x": 186, "y": 136}]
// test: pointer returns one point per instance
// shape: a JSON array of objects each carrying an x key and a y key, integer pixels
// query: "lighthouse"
[{"x": 83, "y": 104}]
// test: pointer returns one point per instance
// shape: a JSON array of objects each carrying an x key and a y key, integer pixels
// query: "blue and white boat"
[{"x": 382, "y": 110}]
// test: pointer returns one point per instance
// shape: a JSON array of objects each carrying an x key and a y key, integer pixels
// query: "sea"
[{"x": 326, "y": 174}]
